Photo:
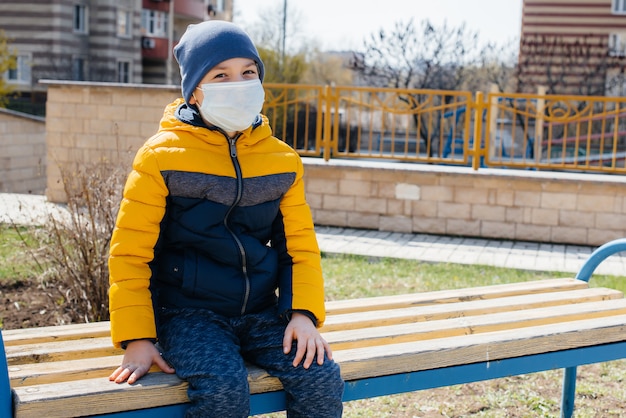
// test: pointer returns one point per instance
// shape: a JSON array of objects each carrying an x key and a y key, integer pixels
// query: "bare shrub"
[{"x": 72, "y": 245}]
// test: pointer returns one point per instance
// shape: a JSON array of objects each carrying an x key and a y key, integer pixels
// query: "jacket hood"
[{"x": 181, "y": 117}]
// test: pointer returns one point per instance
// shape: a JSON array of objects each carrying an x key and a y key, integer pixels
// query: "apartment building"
[
  {"x": 119, "y": 41},
  {"x": 573, "y": 46}
]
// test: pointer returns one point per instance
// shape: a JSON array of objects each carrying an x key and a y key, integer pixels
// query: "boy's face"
[{"x": 232, "y": 70}]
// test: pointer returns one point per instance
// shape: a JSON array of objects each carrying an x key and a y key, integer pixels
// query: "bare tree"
[
  {"x": 329, "y": 68},
  {"x": 278, "y": 28},
  {"x": 435, "y": 58},
  {"x": 405, "y": 57},
  {"x": 496, "y": 65}
]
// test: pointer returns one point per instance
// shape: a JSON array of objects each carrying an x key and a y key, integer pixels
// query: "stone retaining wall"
[
  {"x": 584, "y": 209},
  {"x": 23, "y": 155}
]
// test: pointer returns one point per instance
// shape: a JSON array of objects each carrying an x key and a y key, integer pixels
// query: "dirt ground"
[{"x": 27, "y": 304}]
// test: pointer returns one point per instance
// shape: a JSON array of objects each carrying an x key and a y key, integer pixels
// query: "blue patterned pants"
[{"x": 208, "y": 351}]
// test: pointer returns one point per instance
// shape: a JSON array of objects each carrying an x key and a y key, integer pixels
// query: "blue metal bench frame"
[{"x": 425, "y": 379}]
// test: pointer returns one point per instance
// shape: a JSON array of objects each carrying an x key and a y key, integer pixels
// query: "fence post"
[
  {"x": 477, "y": 146},
  {"x": 492, "y": 120},
  {"x": 541, "y": 104},
  {"x": 328, "y": 106}
]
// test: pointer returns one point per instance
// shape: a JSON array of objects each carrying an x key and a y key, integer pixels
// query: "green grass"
[
  {"x": 347, "y": 276},
  {"x": 15, "y": 261},
  {"x": 351, "y": 276}
]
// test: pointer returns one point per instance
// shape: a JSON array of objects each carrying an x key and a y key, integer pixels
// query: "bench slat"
[
  {"x": 431, "y": 354},
  {"x": 99, "y": 396},
  {"x": 419, "y": 331},
  {"x": 337, "y": 307},
  {"x": 63, "y": 371},
  {"x": 56, "y": 333},
  {"x": 476, "y": 307},
  {"x": 60, "y": 350}
]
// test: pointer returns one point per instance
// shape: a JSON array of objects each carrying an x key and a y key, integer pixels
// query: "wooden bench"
[{"x": 385, "y": 345}]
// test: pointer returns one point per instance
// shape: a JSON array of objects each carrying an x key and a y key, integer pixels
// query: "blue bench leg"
[
  {"x": 6, "y": 397},
  {"x": 569, "y": 392},
  {"x": 598, "y": 256},
  {"x": 585, "y": 273}
]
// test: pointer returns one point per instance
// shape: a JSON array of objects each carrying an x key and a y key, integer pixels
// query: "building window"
[
  {"x": 219, "y": 6},
  {"x": 617, "y": 44},
  {"x": 80, "y": 18},
  {"x": 619, "y": 7},
  {"x": 124, "y": 23},
  {"x": 123, "y": 71},
  {"x": 21, "y": 73},
  {"x": 154, "y": 23}
]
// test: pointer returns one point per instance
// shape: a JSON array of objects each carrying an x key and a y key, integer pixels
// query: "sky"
[{"x": 344, "y": 24}]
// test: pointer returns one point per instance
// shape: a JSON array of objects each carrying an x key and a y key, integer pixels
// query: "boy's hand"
[
  {"x": 310, "y": 344},
  {"x": 140, "y": 355}
]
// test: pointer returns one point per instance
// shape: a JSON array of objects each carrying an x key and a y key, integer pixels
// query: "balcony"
[
  {"x": 155, "y": 48},
  {"x": 191, "y": 9}
]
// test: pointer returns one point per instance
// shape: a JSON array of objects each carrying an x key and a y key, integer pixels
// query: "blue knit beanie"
[{"x": 206, "y": 44}]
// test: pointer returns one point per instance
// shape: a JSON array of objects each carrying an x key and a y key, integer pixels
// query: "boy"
[{"x": 214, "y": 254}]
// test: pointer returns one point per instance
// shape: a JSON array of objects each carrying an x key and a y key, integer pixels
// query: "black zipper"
[{"x": 242, "y": 250}]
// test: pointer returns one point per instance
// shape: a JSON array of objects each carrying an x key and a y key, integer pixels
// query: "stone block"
[
  {"x": 527, "y": 198},
  {"x": 572, "y": 218},
  {"x": 595, "y": 203},
  {"x": 459, "y": 227},
  {"x": 354, "y": 187},
  {"x": 454, "y": 210},
  {"x": 503, "y": 198},
  {"x": 558, "y": 200},
  {"x": 568, "y": 235},
  {"x": 529, "y": 232},
  {"x": 429, "y": 225},
  {"x": 598, "y": 237},
  {"x": 407, "y": 191},
  {"x": 395, "y": 223},
  {"x": 472, "y": 196},
  {"x": 500, "y": 230},
  {"x": 321, "y": 185},
  {"x": 437, "y": 193},
  {"x": 330, "y": 217},
  {"x": 548, "y": 217},
  {"x": 607, "y": 221},
  {"x": 337, "y": 202},
  {"x": 365, "y": 221},
  {"x": 314, "y": 200},
  {"x": 424, "y": 209},
  {"x": 488, "y": 213},
  {"x": 371, "y": 205}
]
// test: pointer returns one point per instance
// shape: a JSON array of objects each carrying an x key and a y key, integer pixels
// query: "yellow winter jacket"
[{"x": 213, "y": 224}]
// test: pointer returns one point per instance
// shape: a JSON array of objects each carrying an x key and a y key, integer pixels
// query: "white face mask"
[{"x": 232, "y": 106}]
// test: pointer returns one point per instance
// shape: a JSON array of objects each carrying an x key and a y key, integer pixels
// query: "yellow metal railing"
[
  {"x": 580, "y": 133},
  {"x": 522, "y": 131}
]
